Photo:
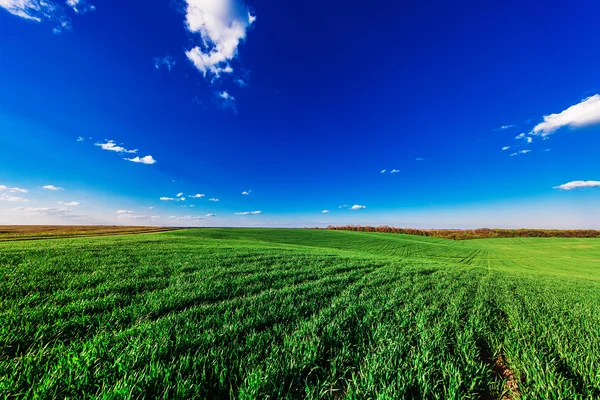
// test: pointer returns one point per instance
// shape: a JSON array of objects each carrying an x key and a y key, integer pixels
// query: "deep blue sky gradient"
[{"x": 337, "y": 91}]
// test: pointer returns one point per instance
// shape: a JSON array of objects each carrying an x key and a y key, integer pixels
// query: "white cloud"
[
  {"x": 211, "y": 215},
  {"x": 225, "y": 100},
  {"x": 4, "y": 188},
  {"x": 578, "y": 185},
  {"x": 167, "y": 61},
  {"x": 71, "y": 203},
  {"x": 179, "y": 194},
  {"x": 167, "y": 199},
  {"x": 6, "y": 197},
  {"x": 249, "y": 213},
  {"x": 196, "y": 196},
  {"x": 505, "y": 127},
  {"x": 110, "y": 145},
  {"x": 546, "y": 150},
  {"x": 52, "y": 187},
  {"x": 325, "y": 211},
  {"x": 420, "y": 159},
  {"x": 394, "y": 171},
  {"x": 80, "y": 138},
  {"x": 343, "y": 206},
  {"x": 520, "y": 136},
  {"x": 247, "y": 193},
  {"x": 582, "y": 114},
  {"x": 46, "y": 10},
  {"x": 513, "y": 154},
  {"x": 357, "y": 207},
  {"x": 124, "y": 211},
  {"x": 213, "y": 199},
  {"x": 524, "y": 151},
  {"x": 529, "y": 139},
  {"x": 383, "y": 171},
  {"x": 144, "y": 160},
  {"x": 187, "y": 218},
  {"x": 506, "y": 148},
  {"x": 49, "y": 212},
  {"x": 222, "y": 25}
]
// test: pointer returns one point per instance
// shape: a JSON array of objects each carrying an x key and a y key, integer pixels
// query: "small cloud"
[
  {"x": 546, "y": 150},
  {"x": 52, "y": 187},
  {"x": 505, "y": 127},
  {"x": 506, "y": 148},
  {"x": 211, "y": 215},
  {"x": 524, "y": 151},
  {"x": 196, "y": 196},
  {"x": 249, "y": 213},
  {"x": 394, "y": 171},
  {"x": 585, "y": 113},
  {"x": 167, "y": 199},
  {"x": 578, "y": 185},
  {"x": 520, "y": 136},
  {"x": 124, "y": 211},
  {"x": 529, "y": 140},
  {"x": 144, "y": 160},
  {"x": 343, "y": 206},
  {"x": 187, "y": 218},
  {"x": 6, "y": 197},
  {"x": 225, "y": 100},
  {"x": 80, "y": 139},
  {"x": 110, "y": 145},
  {"x": 4, "y": 188},
  {"x": 357, "y": 207},
  {"x": 148, "y": 208},
  {"x": 420, "y": 159},
  {"x": 179, "y": 194},
  {"x": 167, "y": 61},
  {"x": 71, "y": 203},
  {"x": 383, "y": 171},
  {"x": 241, "y": 83},
  {"x": 247, "y": 193},
  {"x": 325, "y": 211},
  {"x": 213, "y": 199},
  {"x": 513, "y": 154}
]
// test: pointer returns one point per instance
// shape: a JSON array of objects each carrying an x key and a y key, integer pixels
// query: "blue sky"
[{"x": 284, "y": 110}]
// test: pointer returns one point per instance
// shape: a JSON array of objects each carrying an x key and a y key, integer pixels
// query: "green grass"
[{"x": 262, "y": 313}]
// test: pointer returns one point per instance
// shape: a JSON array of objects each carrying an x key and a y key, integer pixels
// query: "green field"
[{"x": 264, "y": 313}]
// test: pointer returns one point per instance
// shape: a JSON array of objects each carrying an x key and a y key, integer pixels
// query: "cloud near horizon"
[
  {"x": 585, "y": 113},
  {"x": 578, "y": 185},
  {"x": 357, "y": 207}
]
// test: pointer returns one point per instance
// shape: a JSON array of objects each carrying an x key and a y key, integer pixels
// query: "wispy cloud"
[
  {"x": 128, "y": 214},
  {"x": 394, "y": 171},
  {"x": 213, "y": 199},
  {"x": 187, "y": 217},
  {"x": 343, "y": 206},
  {"x": 520, "y": 136},
  {"x": 7, "y": 197},
  {"x": 211, "y": 215},
  {"x": 167, "y": 62},
  {"x": 578, "y": 185},
  {"x": 419, "y": 159},
  {"x": 249, "y": 213},
  {"x": 506, "y": 148},
  {"x": 524, "y": 151},
  {"x": 585, "y": 113},
  {"x": 179, "y": 194},
  {"x": 196, "y": 196},
  {"x": 49, "y": 212},
  {"x": 80, "y": 138},
  {"x": 149, "y": 160},
  {"x": 505, "y": 127},
  {"x": 357, "y": 207},
  {"x": 383, "y": 171},
  {"x": 110, "y": 145},
  {"x": 222, "y": 25},
  {"x": 52, "y": 187},
  {"x": 325, "y": 211},
  {"x": 247, "y": 192},
  {"x": 47, "y": 10},
  {"x": 70, "y": 203},
  {"x": 225, "y": 100},
  {"x": 6, "y": 189},
  {"x": 168, "y": 199}
]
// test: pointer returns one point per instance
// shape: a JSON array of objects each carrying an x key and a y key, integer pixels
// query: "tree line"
[{"x": 465, "y": 234}]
